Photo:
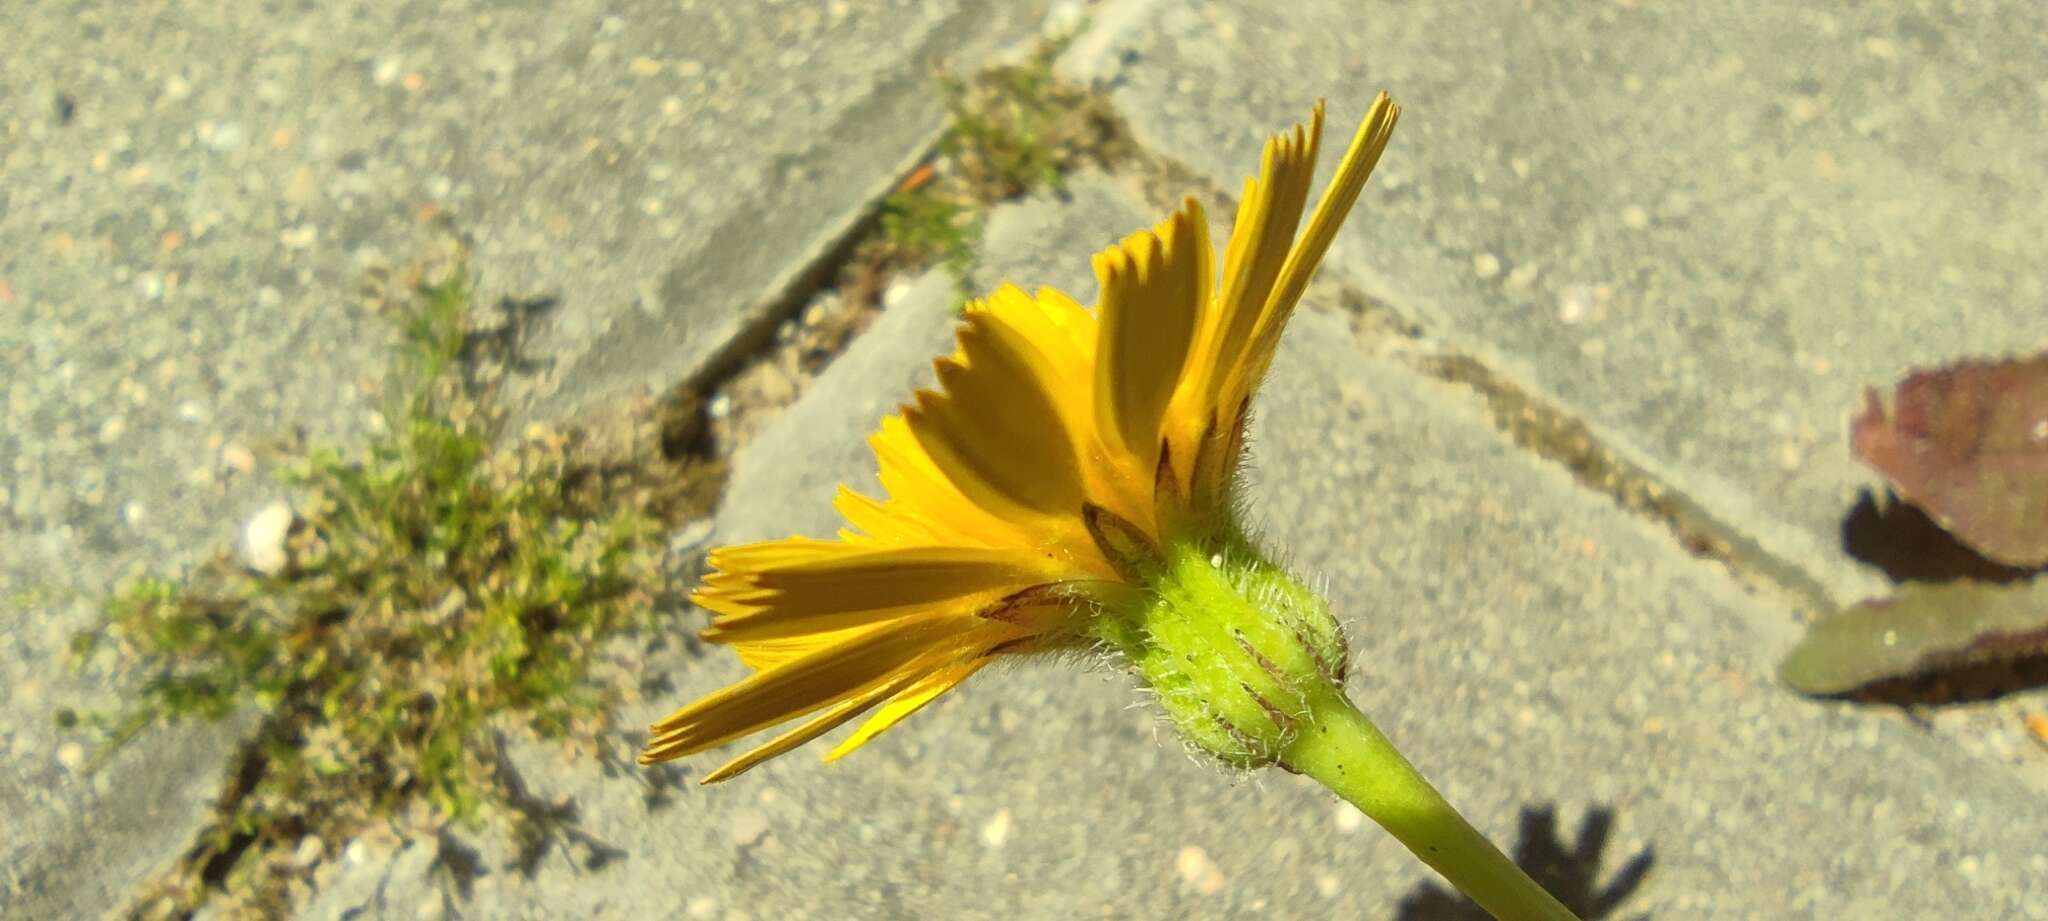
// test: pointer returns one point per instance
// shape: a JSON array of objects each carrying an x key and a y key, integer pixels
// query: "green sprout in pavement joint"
[
  {"x": 1010, "y": 131},
  {"x": 439, "y": 590}
]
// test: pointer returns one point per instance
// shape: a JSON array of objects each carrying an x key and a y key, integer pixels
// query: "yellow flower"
[{"x": 1064, "y": 456}]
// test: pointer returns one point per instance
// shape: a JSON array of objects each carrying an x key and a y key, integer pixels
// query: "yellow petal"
[
  {"x": 1062, "y": 330},
  {"x": 1264, "y": 273},
  {"x": 800, "y": 572},
  {"x": 1260, "y": 238},
  {"x": 1154, "y": 292},
  {"x": 997, "y": 431},
  {"x": 917, "y": 485},
  {"x": 763, "y": 653},
  {"x": 801, "y": 686},
  {"x": 906, "y": 702},
  {"x": 1069, "y": 317},
  {"x": 1259, "y": 242},
  {"x": 886, "y": 523},
  {"x": 1359, "y": 159},
  {"x": 831, "y": 719},
  {"x": 792, "y": 587}
]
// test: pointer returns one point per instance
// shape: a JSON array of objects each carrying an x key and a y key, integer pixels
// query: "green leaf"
[{"x": 1925, "y": 628}]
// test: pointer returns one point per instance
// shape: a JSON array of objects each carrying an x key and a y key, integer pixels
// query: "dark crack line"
[
  {"x": 1535, "y": 425},
  {"x": 1541, "y": 428}
]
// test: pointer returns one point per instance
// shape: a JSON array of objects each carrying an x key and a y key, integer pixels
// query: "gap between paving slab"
[
  {"x": 1685, "y": 262},
  {"x": 1535, "y": 420},
  {"x": 1529, "y": 644},
  {"x": 194, "y": 222},
  {"x": 1698, "y": 230}
]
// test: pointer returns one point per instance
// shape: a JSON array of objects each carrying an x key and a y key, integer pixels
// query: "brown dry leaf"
[{"x": 1968, "y": 444}]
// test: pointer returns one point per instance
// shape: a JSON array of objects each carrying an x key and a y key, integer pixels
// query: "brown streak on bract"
[
  {"x": 1168, "y": 501},
  {"x": 1216, "y": 458},
  {"x": 1048, "y": 594},
  {"x": 1332, "y": 672},
  {"x": 1122, "y": 543},
  {"x": 1266, "y": 665},
  {"x": 1281, "y": 720}
]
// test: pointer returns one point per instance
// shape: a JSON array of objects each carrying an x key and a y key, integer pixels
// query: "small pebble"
[
  {"x": 1486, "y": 265},
  {"x": 1576, "y": 302},
  {"x": 997, "y": 830},
  {"x": 262, "y": 546},
  {"x": 748, "y": 828},
  {"x": 1522, "y": 277},
  {"x": 1198, "y": 871},
  {"x": 226, "y": 136},
  {"x": 309, "y": 851},
  {"x": 1065, "y": 19},
  {"x": 894, "y": 294}
]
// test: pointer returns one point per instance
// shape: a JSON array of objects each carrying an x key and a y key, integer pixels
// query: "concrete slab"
[
  {"x": 191, "y": 193},
  {"x": 1528, "y": 644},
  {"x": 1701, "y": 227}
]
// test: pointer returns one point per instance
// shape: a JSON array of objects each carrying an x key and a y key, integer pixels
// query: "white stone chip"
[{"x": 262, "y": 547}]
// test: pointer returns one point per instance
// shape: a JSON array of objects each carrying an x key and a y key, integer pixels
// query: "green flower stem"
[{"x": 1341, "y": 749}]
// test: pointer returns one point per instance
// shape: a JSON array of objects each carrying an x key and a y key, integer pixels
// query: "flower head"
[{"x": 1054, "y": 487}]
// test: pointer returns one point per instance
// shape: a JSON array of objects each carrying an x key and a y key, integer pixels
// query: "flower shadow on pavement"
[{"x": 1569, "y": 871}]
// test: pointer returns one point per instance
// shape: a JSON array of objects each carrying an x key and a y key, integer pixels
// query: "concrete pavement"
[
  {"x": 191, "y": 193},
  {"x": 1528, "y": 644},
  {"x": 1697, "y": 231}
]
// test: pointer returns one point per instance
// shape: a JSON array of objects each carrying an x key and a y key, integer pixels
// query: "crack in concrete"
[
  {"x": 1536, "y": 425},
  {"x": 1543, "y": 429}
]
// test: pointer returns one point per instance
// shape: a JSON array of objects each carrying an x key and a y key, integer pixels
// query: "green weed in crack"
[
  {"x": 1010, "y": 131},
  {"x": 437, "y": 590}
]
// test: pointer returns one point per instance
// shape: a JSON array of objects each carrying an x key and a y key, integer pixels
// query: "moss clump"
[{"x": 437, "y": 591}]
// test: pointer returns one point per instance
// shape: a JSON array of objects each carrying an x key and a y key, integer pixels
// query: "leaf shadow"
[
  {"x": 1570, "y": 871},
  {"x": 1908, "y": 546},
  {"x": 1962, "y": 684}
]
